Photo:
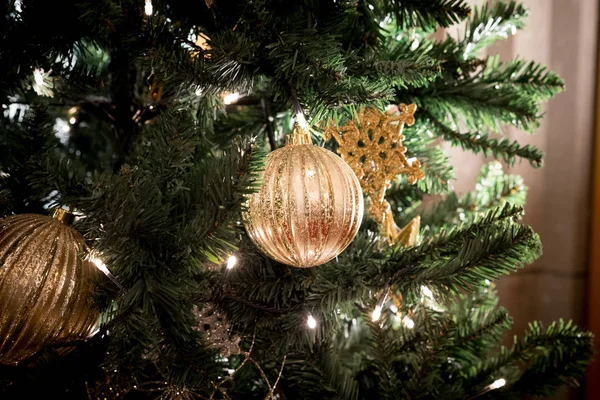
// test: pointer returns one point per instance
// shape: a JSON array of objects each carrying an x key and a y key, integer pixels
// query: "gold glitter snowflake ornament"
[{"x": 372, "y": 146}]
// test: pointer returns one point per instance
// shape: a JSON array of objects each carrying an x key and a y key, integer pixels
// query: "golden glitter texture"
[
  {"x": 409, "y": 234},
  {"x": 45, "y": 286},
  {"x": 372, "y": 146},
  {"x": 310, "y": 206}
]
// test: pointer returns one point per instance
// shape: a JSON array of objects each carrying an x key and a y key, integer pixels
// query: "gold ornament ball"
[
  {"x": 45, "y": 286},
  {"x": 310, "y": 206}
]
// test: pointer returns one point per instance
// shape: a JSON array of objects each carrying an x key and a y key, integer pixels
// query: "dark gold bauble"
[{"x": 46, "y": 286}]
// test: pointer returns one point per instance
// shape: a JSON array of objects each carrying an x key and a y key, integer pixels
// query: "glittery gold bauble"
[
  {"x": 45, "y": 286},
  {"x": 309, "y": 207}
]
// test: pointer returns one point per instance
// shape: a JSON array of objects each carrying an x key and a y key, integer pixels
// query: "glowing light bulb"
[
  {"x": 230, "y": 98},
  {"x": 498, "y": 383},
  {"x": 311, "y": 322},
  {"x": 148, "y": 7},
  {"x": 38, "y": 76},
  {"x": 376, "y": 314},
  {"x": 427, "y": 292},
  {"x": 408, "y": 322},
  {"x": 393, "y": 308},
  {"x": 72, "y": 120},
  {"x": 94, "y": 332},
  {"x": 231, "y": 262},
  {"x": 301, "y": 121},
  {"x": 97, "y": 261}
]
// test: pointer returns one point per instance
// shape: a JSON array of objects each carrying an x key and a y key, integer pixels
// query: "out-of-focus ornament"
[
  {"x": 310, "y": 205},
  {"x": 46, "y": 287},
  {"x": 217, "y": 330},
  {"x": 202, "y": 45},
  {"x": 372, "y": 146}
]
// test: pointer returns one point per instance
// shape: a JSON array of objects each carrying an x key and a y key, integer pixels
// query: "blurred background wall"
[{"x": 563, "y": 35}]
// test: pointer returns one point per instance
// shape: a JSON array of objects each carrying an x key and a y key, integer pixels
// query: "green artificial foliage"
[{"x": 121, "y": 117}]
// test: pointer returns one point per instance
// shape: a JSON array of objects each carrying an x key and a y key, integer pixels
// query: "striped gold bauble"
[
  {"x": 310, "y": 206},
  {"x": 46, "y": 286}
]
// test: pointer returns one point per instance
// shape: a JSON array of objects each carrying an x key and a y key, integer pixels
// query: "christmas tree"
[{"x": 151, "y": 121}]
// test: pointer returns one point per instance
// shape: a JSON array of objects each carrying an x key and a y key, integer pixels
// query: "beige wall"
[{"x": 563, "y": 35}]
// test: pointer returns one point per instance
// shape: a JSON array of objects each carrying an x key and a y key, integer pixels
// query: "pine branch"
[
  {"x": 493, "y": 189},
  {"x": 427, "y": 14},
  {"x": 491, "y": 22},
  {"x": 477, "y": 334},
  {"x": 486, "y": 249},
  {"x": 306, "y": 379},
  {"x": 23, "y": 150},
  {"x": 531, "y": 78},
  {"x": 434, "y": 161},
  {"x": 383, "y": 350},
  {"x": 479, "y": 142},
  {"x": 563, "y": 364},
  {"x": 485, "y": 93},
  {"x": 551, "y": 358},
  {"x": 398, "y": 67},
  {"x": 481, "y": 104}
]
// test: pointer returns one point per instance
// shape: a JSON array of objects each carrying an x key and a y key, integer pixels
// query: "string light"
[
  {"x": 498, "y": 383},
  {"x": 311, "y": 322},
  {"x": 97, "y": 261},
  {"x": 425, "y": 291},
  {"x": 231, "y": 262},
  {"x": 376, "y": 313},
  {"x": 380, "y": 303},
  {"x": 148, "y": 7},
  {"x": 301, "y": 121},
  {"x": 408, "y": 322},
  {"x": 38, "y": 76},
  {"x": 230, "y": 98},
  {"x": 428, "y": 298},
  {"x": 43, "y": 82}
]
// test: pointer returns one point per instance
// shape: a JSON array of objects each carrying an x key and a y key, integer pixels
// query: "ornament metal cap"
[
  {"x": 63, "y": 216},
  {"x": 298, "y": 136}
]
